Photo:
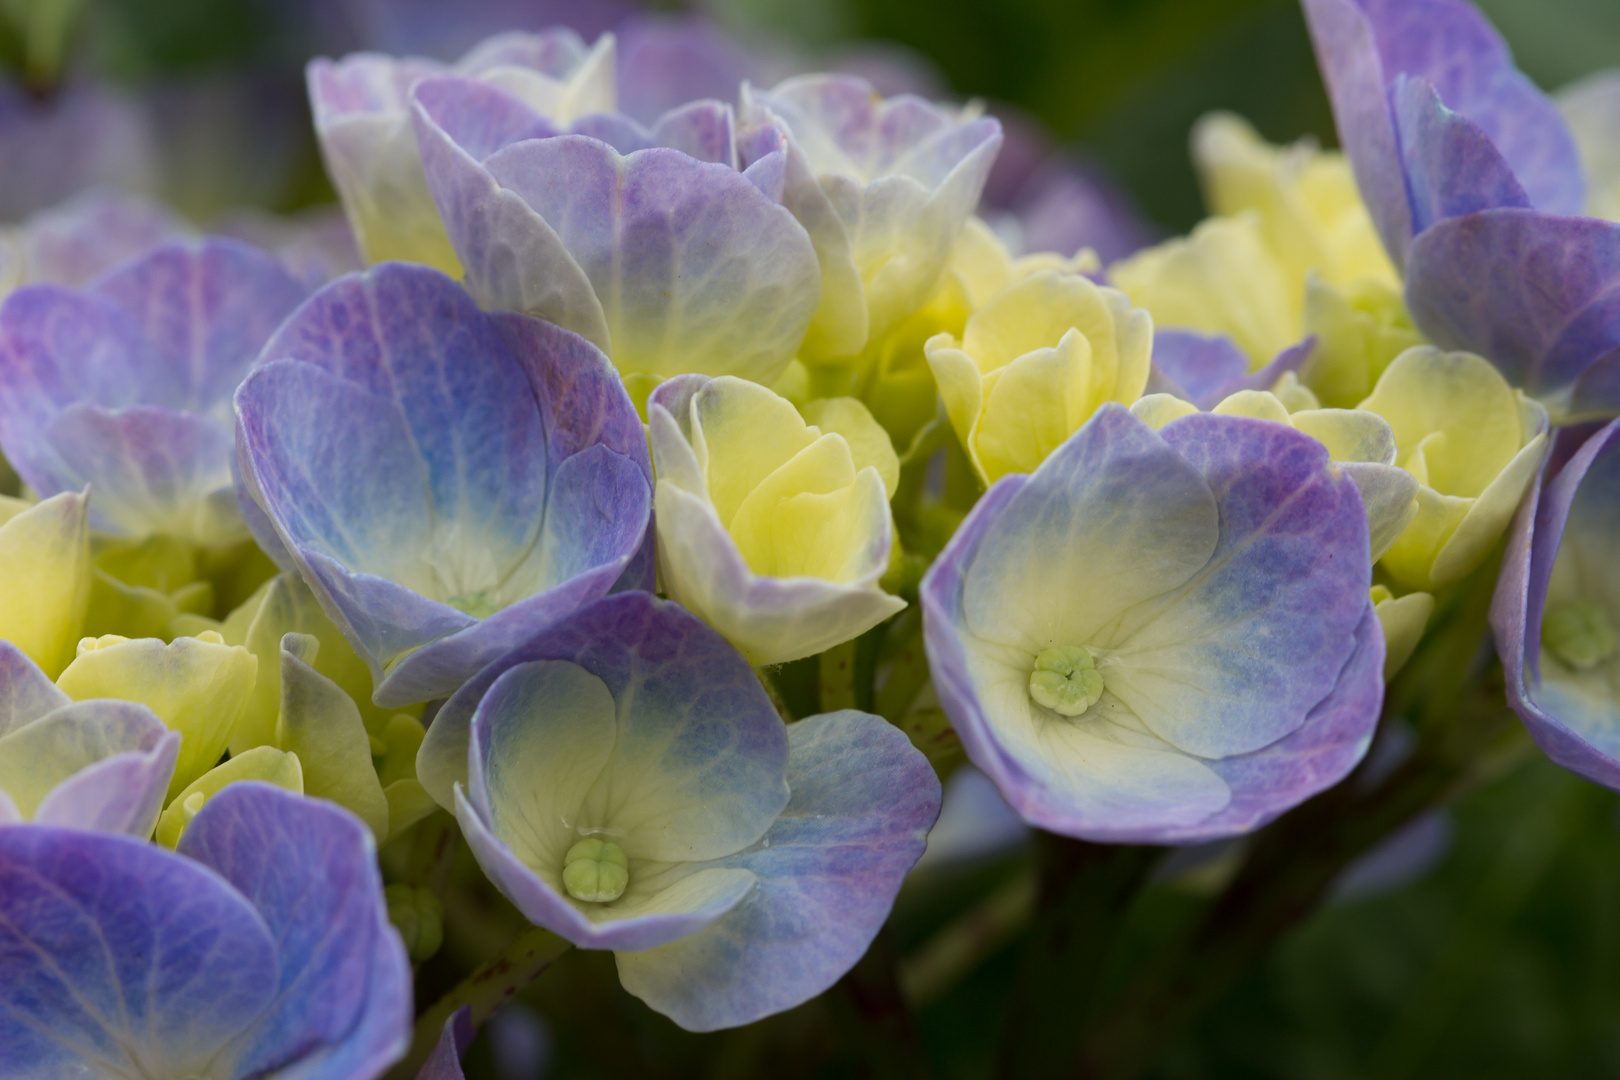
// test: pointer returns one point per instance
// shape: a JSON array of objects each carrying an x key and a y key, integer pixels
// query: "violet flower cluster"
[{"x": 519, "y": 518}]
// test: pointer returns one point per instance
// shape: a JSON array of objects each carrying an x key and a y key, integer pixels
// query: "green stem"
[
  {"x": 433, "y": 852},
  {"x": 1083, "y": 895},
  {"x": 484, "y": 991}
]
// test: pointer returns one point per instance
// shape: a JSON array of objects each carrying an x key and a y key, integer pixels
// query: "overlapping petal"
[
  {"x": 125, "y": 386},
  {"x": 124, "y": 957},
  {"x": 883, "y": 188},
  {"x": 448, "y": 482},
  {"x": 1560, "y": 555},
  {"x": 1218, "y": 573},
  {"x": 647, "y": 241},
  {"x": 1435, "y": 118}
]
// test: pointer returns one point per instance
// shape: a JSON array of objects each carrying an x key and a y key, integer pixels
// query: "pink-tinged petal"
[
  {"x": 92, "y": 233},
  {"x": 338, "y": 1005},
  {"x": 206, "y": 307},
  {"x": 1536, "y": 294},
  {"x": 445, "y": 1061},
  {"x": 863, "y": 800}
]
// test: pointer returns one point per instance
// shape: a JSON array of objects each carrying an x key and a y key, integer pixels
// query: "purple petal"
[
  {"x": 828, "y": 871},
  {"x": 1429, "y": 104},
  {"x": 1538, "y": 295},
  {"x": 1452, "y": 167},
  {"x": 309, "y": 868},
  {"x": 122, "y": 958},
  {"x": 1196, "y": 367},
  {"x": 668, "y": 262},
  {"x": 152, "y": 470},
  {"x": 668, "y": 60},
  {"x": 1333, "y": 739},
  {"x": 1585, "y": 483},
  {"x": 445, "y": 1061},
  {"x": 94, "y": 232},
  {"x": 1347, "y": 53},
  {"x": 206, "y": 307},
  {"x": 478, "y": 116},
  {"x": 26, "y": 692}
]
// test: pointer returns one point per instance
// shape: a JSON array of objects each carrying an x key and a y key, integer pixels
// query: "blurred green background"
[{"x": 1501, "y": 960}]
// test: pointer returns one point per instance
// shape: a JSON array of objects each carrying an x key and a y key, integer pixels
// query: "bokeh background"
[{"x": 1483, "y": 943}]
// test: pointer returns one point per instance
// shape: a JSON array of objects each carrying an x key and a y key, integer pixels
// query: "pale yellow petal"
[
  {"x": 45, "y": 578},
  {"x": 741, "y": 433},
  {"x": 263, "y": 763},
  {"x": 869, "y": 444},
  {"x": 197, "y": 687}
]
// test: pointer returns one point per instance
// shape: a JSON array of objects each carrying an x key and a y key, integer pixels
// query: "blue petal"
[
  {"x": 309, "y": 868},
  {"x": 827, "y": 874},
  {"x": 122, "y": 958}
]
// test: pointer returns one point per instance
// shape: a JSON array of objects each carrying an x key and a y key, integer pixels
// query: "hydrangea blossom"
[
  {"x": 446, "y": 481},
  {"x": 101, "y": 765},
  {"x": 1161, "y": 637},
  {"x": 126, "y": 959},
  {"x": 648, "y": 241},
  {"x": 883, "y": 188},
  {"x": 362, "y": 118},
  {"x": 1034, "y": 362},
  {"x": 773, "y": 531},
  {"x": 630, "y": 787},
  {"x": 126, "y": 385},
  {"x": 1557, "y": 606}
]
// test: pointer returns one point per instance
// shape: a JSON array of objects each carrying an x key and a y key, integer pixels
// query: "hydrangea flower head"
[
  {"x": 632, "y": 788},
  {"x": 1161, "y": 637},
  {"x": 446, "y": 481}
]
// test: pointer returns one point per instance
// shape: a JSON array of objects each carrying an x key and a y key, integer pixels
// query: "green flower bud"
[{"x": 595, "y": 871}]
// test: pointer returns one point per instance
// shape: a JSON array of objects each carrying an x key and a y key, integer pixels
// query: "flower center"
[
  {"x": 1579, "y": 633},
  {"x": 595, "y": 871},
  {"x": 480, "y": 604},
  {"x": 1066, "y": 680}
]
